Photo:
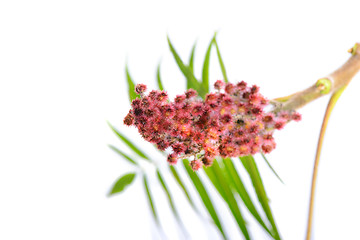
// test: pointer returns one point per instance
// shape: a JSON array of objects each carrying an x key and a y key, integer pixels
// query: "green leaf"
[
  {"x": 150, "y": 200},
  {"x": 170, "y": 200},
  {"x": 272, "y": 169},
  {"x": 221, "y": 62},
  {"x": 158, "y": 78},
  {"x": 122, "y": 183},
  {"x": 192, "y": 82},
  {"x": 129, "y": 143},
  {"x": 250, "y": 166},
  {"x": 191, "y": 61},
  {"x": 205, "y": 71},
  {"x": 239, "y": 186},
  {"x": 204, "y": 196},
  {"x": 131, "y": 85},
  {"x": 182, "y": 186},
  {"x": 217, "y": 177},
  {"x": 123, "y": 154}
]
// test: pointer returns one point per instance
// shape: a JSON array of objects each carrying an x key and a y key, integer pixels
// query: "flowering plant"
[{"x": 213, "y": 130}]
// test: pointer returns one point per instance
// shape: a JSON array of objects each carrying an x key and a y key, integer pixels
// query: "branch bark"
[{"x": 327, "y": 85}]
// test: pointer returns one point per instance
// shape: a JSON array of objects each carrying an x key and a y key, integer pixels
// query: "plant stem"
[
  {"x": 328, "y": 85},
  {"x": 333, "y": 84},
  {"x": 329, "y": 109}
]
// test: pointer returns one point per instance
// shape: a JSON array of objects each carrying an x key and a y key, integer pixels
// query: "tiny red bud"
[
  {"x": 140, "y": 88},
  {"x": 218, "y": 85},
  {"x": 195, "y": 164},
  {"x": 129, "y": 119},
  {"x": 172, "y": 159}
]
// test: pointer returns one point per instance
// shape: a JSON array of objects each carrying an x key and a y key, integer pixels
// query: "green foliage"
[
  {"x": 131, "y": 85},
  {"x": 251, "y": 167},
  {"x": 121, "y": 153},
  {"x": 222, "y": 174},
  {"x": 182, "y": 186},
  {"x": 205, "y": 71},
  {"x": 204, "y": 196},
  {"x": 158, "y": 78},
  {"x": 238, "y": 185},
  {"x": 170, "y": 199},
  {"x": 221, "y": 62},
  {"x": 192, "y": 82},
  {"x": 122, "y": 183},
  {"x": 129, "y": 143},
  {"x": 272, "y": 169},
  {"x": 217, "y": 177},
  {"x": 150, "y": 200},
  {"x": 191, "y": 61}
]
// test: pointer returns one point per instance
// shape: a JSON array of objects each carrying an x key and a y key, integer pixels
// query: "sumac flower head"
[{"x": 230, "y": 122}]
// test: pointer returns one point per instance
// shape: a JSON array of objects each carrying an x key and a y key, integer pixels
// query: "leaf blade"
[
  {"x": 240, "y": 188},
  {"x": 271, "y": 168},
  {"x": 158, "y": 78},
  {"x": 206, "y": 65},
  {"x": 150, "y": 200},
  {"x": 170, "y": 200},
  {"x": 204, "y": 196},
  {"x": 131, "y": 85},
  {"x": 250, "y": 166},
  {"x": 121, "y": 184},
  {"x": 191, "y": 60},
  {"x": 192, "y": 82},
  {"x": 129, "y": 143},
  {"x": 115, "y": 149},
  {"x": 182, "y": 186},
  {"x": 221, "y": 62},
  {"x": 217, "y": 177}
]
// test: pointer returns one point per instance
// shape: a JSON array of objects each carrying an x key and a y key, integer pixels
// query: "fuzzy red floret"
[
  {"x": 129, "y": 119},
  {"x": 140, "y": 88},
  {"x": 218, "y": 85}
]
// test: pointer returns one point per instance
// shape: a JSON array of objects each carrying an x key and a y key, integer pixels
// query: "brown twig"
[{"x": 327, "y": 85}]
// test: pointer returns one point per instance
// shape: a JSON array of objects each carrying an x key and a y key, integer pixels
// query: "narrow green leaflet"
[
  {"x": 216, "y": 175},
  {"x": 171, "y": 201},
  {"x": 192, "y": 82},
  {"x": 150, "y": 200},
  {"x": 251, "y": 168},
  {"x": 205, "y": 71},
  {"x": 131, "y": 85},
  {"x": 221, "y": 62},
  {"x": 129, "y": 143},
  {"x": 115, "y": 149},
  {"x": 239, "y": 186},
  {"x": 272, "y": 169},
  {"x": 158, "y": 78},
  {"x": 191, "y": 61},
  {"x": 204, "y": 196},
  {"x": 182, "y": 186},
  {"x": 122, "y": 183},
  {"x": 211, "y": 175}
]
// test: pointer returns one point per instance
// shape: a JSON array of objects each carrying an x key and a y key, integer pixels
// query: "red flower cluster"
[{"x": 227, "y": 123}]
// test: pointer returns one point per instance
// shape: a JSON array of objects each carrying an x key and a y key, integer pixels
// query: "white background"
[{"x": 62, "y": 77}]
